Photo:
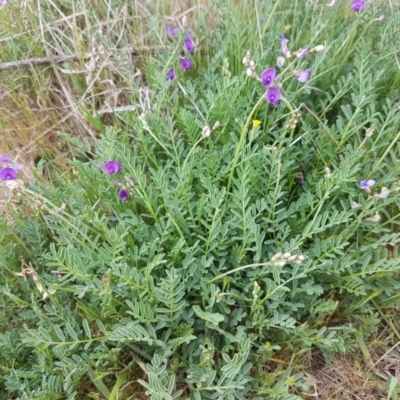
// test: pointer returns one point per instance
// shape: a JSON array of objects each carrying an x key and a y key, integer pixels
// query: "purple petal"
[
  {"x": 365, "y": 185},
  {"x": 123, "y": 195},
  {"x": 5, "y": 158},
  {"x": 303, "y": 76},
  {"x": 284, "y": 43},
  {"x": 302, "y": 53},
  {"x": 8, "y": 174},
  {"x": 186, "y": 64},
  {"x": 170, "y": 31},
  {"x": 357, "y": 5},
  {"x": 189, "y": 35},
  {"x": 268, "y": 76},
  {"x": 171, "y": 74},
  {"x": 112, "y": 167},
  {"x": 273, "y": 96},
  {"x": 189, "y": 45}
]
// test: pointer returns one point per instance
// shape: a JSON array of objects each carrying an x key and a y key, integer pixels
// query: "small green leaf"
[
  {"x": 214, "y": 318},
  {"x": 85, "y": 325}
]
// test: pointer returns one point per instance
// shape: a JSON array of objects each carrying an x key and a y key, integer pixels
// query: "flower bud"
[
  {"x": 317, "y": 49},
  {"x": 280, "y": 61},
  {"x": 286, "y": 256},
  {"x": 383, "y": 194},
  {"x": 301, "y": 53},
  {"x": 280, "y": 263},
  {"x": 375, "y": 218},
  {"x": 206, "y": 131},
  {"x": 215, "y": 126},
  {"x": 276, "y": 257}
]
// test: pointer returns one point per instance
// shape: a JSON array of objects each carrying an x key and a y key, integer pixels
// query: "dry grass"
[
  {"x": 360, "y": 375},
  {"x": 37, "y": 102}
]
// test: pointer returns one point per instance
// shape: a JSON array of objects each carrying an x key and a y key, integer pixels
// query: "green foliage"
[{"x": 181, "y": 281}]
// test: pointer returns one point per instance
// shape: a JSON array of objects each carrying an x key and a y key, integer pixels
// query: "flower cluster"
[
  {"x": 366, "y": 185},
  {"x": 188, "y": 46},
  {"x": 112, "y": 167},
  {"x": 206, "y": 132},
  {"x": 280, "y": 259},
  {"x": 8, "y": 169},
  {"x": 269, "y": 77}
]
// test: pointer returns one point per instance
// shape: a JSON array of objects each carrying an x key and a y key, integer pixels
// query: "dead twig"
[{"x": 31, "y": 62}]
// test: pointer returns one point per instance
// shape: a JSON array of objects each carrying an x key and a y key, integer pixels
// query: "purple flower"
[
  {"x": 123, "y": 195},
  {"x": 268, "y": 76},
  {"x": 112, "y": 167},
  {"x": 8, "y": 174},
  {"x": 303, "y": 76},
  {"x": 171, "y": 74},
  {"x": 172, "y": 31},
  {"x": 189, "y": 34},
  {"x": 302, "y": 53},
  {"x": 3, "y": 3},
  {"x": 284, "y": 48},
  {"x": 366, "y": 184},
  {"x": 273, "y": 96},
  {"x": 5, "y": 158},
  {"x": 186, "y": 64},
  {"x": 357, "y": 5},
  {"x": 189, "y": 45}
]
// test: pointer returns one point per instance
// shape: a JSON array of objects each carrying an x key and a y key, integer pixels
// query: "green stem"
[
  {"x": 271, "y": 15},
  {"x": 241, "y": 140},
  {"x": 237, "y": 269}
]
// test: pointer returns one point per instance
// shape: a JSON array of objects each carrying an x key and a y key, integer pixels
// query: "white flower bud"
[
  {"x": 206, "y": 131},
  {"x": 354, "y": 204},
  {"x": 369, "y": 132},
  {"x": 249, "y": 72},
  {"x": 280, "y": 263},
  {"x": 317, "y": 49},
  {"x": 276, "y": 257},
  {"x": 383, "y": 194},
  {"x": 327, "y": 172},
  {"x": 280, "y": 61},
  {"x": 375, "y": 218},
  {"x": 293, "y": 258},
  {"x": 215, "y": 126},
  {"x": 286, "y": 256}
]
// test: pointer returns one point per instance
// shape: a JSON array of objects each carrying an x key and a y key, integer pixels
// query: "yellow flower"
[{"x": 256, "y": 123}]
